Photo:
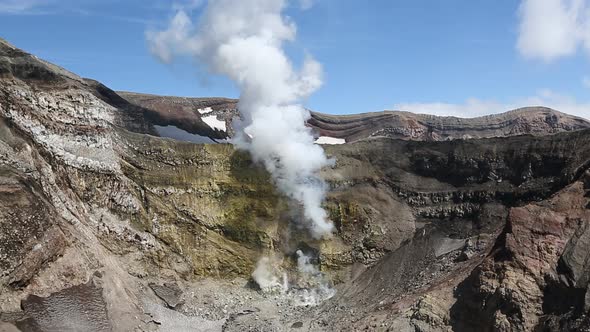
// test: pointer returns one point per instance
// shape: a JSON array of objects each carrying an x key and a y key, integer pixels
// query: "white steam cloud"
[
  {"x": 314, "y": 288},
  {"x": 269, "y": 277},
  {"x": 550, "y": 29},
  {"x": 243, "y": 40},
  {"x": 307, "y": 287}
]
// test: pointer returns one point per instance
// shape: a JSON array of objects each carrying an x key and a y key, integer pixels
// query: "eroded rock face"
[
  {"x": 458, "y": 234},
  {"x": 526, "y": 255}
]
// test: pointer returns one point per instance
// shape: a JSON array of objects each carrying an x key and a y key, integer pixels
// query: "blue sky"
[{"x": 456, "y": 57}]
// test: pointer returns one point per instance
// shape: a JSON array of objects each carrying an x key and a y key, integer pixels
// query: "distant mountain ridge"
[
  {"x": 141, "y": 112},
  {"x": 183, "y": 113},
  {"x": 426, "y": 127}
]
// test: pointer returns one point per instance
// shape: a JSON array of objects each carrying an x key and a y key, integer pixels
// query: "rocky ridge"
[{"x": 185, "y": 114}]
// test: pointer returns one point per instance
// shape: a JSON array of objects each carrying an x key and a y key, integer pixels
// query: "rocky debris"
[
  {"x": 430, "y": 313},
  {"x": 169, "y": 320},
  {"x": 79, "y": 308},
  {"x": 169, "y": 293},
  {"x": 469, "y": 250},
  {"x": 448, "y": 245}
]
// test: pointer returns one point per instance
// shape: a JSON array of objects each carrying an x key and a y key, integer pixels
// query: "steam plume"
[
  {"x": 243, "y": 40},
  {"x": 308, "y": 287},
  {"x": 266, "y": 275}
]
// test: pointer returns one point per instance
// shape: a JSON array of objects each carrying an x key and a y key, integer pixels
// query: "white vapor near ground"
[
  {"x": 269, "y": 277},
  {"x": 306, "y": 286},
  {"x": 243, "y": 40}
]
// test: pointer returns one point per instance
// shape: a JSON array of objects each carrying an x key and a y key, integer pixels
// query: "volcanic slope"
[{"x": 106, "y": 226}]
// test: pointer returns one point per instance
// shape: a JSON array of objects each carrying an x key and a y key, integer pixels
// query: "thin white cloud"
[
  {"x": 20, "y": 6},
  {"x": 53, "y": 7},
  {"x": 306, "y": 4},
  {"x": 187, "y": 4},
  {"x": 477, "y": 107},
  {"x": 551, "y": 29}
]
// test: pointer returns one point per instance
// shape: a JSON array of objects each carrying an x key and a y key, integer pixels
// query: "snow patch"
[
  {"x": 214, "y": 123},
  {"x": 205, "y": 110},
  {"x": 330, "y": 140}
]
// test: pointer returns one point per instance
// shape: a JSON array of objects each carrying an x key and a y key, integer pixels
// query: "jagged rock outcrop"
[
  {"x": 437, "y": 235},
  {"x": 534, "y": 254}
]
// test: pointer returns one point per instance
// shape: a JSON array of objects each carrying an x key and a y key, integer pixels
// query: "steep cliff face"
[
  {"x": 526, "y": 272},
  {"x": 99, "y": 214},
  {"x": 534, "y": 254}
]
